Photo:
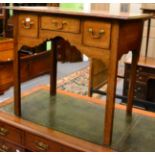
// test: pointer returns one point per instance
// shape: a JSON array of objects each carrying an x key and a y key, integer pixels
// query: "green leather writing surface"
[{"x": 85, "y": 120}]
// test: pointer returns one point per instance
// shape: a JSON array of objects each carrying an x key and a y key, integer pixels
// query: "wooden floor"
[{"x": 83, "y": 117}]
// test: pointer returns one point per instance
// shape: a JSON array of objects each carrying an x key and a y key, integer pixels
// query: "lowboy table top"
[{"x": 97, "y": 14}]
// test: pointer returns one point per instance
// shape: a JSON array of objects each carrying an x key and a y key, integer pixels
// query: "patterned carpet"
[{"x": 76, "y": 82}]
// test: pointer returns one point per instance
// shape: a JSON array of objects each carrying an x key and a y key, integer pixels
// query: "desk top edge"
[
  {"x": 148, "y": 9},
  {"x": 97, "y": 14}
]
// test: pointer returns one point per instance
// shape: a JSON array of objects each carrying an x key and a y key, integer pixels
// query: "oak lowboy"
[{"x": 103, "y": 36}]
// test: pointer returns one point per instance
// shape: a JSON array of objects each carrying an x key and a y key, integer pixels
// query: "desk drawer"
[
  {"x": 28, "y": 25},
  {"x": 40, "y": 144},
  {"x": 9, "y": 147},
  {"x": 60, "y": 24},
  {"x": 7, "y": 44},
  {"x": 11, "y": 133},
  {"x": 97, "y": 34}
]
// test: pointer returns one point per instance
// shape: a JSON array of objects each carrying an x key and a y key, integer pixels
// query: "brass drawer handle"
[
  {"x": 4, "y": 148},
  {"x": 58, "y": 25},
  {"x": 41, "y": 146},
  {"x": 27, "y": 23},
  {"x": 96, "y": 35},
  {"x": 3, "y": 132}
]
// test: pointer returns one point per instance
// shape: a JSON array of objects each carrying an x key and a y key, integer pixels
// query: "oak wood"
[
  {"x": 16, "y": 68},
  {"x": 6, "y": 146},
  {"x": 101, "y": 40},
  {"x": 53, "y": 72},
  {"x": 28, "y": 67},
  {"x": 135, "y": 58},
  {"x": 6, "y": 44},
  {"x": 60, "y": 24},
  {"x": 91, "y": 13},
  {"x": 131, "y": 28},
  {"x": 132, "y": 82},
  {"x": 112, "y": 76},
  {"x": 28, "y": 32},
  {"x": 144, "y": 62}
]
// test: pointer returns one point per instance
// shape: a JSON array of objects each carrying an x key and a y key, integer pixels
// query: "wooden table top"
[
  {"x": 98, "y": 14},
  {"x": 144, "y": 61},
  {"x": 149, "y": 7}
]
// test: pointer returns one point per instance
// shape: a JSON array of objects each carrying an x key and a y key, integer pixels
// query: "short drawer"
[
  {"x": 9, "y": 147},
  {"x": 11, "y": 133},
  {"x": 140, "y": 90},
  {"x": 97, "y": 34},
  {"x": 71, "y": 25},
  {"x": 28, "y": 25},
  {"x": 40, "y": 144}
]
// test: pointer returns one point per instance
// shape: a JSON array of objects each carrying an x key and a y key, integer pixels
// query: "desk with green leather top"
[{"x": 100, "y": 35}]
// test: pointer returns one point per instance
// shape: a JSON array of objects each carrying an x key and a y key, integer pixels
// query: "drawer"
[
  {"x": 11, "y": 133},
  {"x": 140, "y": 69},
  {"x": 28, "y": 25},
  {"x": 40, "y": 144},
  {"x": 140, "y": 90},
  {"x": 60, "y": 24},
  {"x": 142, "y": 77},
  {"x": 9, "y": 147},
  {"x": 97, "y": 34},
  {"x": 7, "y": 44}
]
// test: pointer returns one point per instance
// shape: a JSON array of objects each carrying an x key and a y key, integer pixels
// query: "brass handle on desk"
[
  {"x": 58, "y": 25},
  {"x": 96, "y": 35},
  {"x": 4, "y": 148},
  {"x": 41, "y": 146},
  {"x": 27, "y": 24},
  {"x": 3, "y": 131}
]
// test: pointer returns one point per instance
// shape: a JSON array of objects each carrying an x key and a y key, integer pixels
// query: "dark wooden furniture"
[
  {"x": 144, "y": 88},
  {"x": 148, "y": 8},
  {"x": 99, "y": 35},
  {"x": 30, "y": 66}
]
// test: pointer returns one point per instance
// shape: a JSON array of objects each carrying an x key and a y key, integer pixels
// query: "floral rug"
[{"x": 76, "y": 82}]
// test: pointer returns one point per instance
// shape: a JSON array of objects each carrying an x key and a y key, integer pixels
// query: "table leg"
[
  {"x": 17, "y": 88},
  {"x": 110, "y": 102},
  {"x": 112, "y": 81},
  {"x": 132, "y": 81},
  {"x": 16, "y": 71},
  {"x": 147, "y": 37},
  {"x": 53, "y": 72}
]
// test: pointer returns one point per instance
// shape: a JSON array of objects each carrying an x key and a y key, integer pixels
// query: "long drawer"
[
  {"x": 40, "y": 144},
  {"x": 9, "y": 147},
  {"x": 63, "y": 24},
  {"x": 11, "y": 133}
]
